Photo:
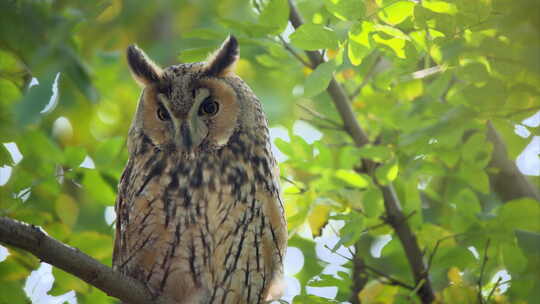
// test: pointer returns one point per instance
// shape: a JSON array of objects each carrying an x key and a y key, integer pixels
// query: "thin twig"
[
  {"x": 493, "y": 289},
  {"x": 439, "y": 241},
  {"x": 321, "y": 125},
  {"x": 319, "y": 115},
  {"x": 393, "y": 281},
  {"x": 300, "y": 188},
  {"x": 288, "y": 47},
  {"x": 482, "y": 269}
]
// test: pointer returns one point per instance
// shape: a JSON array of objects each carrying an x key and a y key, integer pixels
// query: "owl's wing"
[
  {"x": 120, "y": 209},
  {"x": 277, "y": 234}
]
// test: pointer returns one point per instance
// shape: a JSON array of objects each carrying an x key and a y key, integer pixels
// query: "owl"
[{"x": 199, "y": 213}]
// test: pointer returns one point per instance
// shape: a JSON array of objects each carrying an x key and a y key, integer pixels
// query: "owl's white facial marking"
[{"x": 191, "y": 129}]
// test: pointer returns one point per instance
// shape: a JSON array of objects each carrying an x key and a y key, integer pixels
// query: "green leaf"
[
  {"x": 387, "y": 172},
  {"x": 283, "y": 146},
  {"x": 409, "y": 90},
  {"x": 318, "y": 80},
  {"x": 513, "y": 257},
  {"x": 108, "y": 151},
  {"x": 373, "y": 202},
  {"x": 346, "y": 9},
  {"x": 97, "y": 188},
  {"x": 275, "y": 15},
  {"x": 357, "y": 52},
  {"x": 391, "y": 31},
  {"x": 529, "y": 242},
  {"x": 351, "y": 232},
  {"x": 12, "y": 292},
  {"x": 473, "y": 12},
  {"x": 308, "y": 250},
  {"x": 521, "y": 213},
  {"x": 359, "y": 45},
  {"x": 441, "y": 7},
  {"x": 376, "y": 153},
  {"x": 352, "y": 178},
  {"x": 475, "y": 176},
  {"x": 397, "y": 12},
  {"x": 74, "y": 156},
  {"x": 313, "y": 37},
  {"x": 67, "y": 209}
]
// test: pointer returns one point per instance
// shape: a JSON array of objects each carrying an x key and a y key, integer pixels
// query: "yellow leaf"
[
  {"x": 454, "y": 275},
  {"x": 318, "y": 218},
  {"x": 376, "y": 292}
]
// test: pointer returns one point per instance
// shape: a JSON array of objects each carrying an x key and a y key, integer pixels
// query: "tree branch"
[
  {"x": 34, "y": 240},
  {"x": 509, "y": 182},
  {"x": 359, "y": 275},
  {"x": 394, "y": 213},
  {"x": 482, "y": 269}
]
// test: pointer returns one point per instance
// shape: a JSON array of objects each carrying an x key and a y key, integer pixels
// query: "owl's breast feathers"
[{"x": 205, "y": 228}]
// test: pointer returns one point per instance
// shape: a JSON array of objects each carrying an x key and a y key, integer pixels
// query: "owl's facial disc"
[{"x": 191, "y": 130}]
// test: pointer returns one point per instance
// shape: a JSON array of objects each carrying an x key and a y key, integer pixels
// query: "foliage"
[{"x": 425, "y": 78}]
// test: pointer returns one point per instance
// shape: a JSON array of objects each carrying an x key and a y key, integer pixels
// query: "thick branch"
[
  {"x": 509, "y": 182},
  {"x": 396, "y": 218},
  {"x": 360, "y": 277},
  {"x": 34, "y": 240}
]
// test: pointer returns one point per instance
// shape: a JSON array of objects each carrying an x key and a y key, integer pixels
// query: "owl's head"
[{"x": 191, "y": 107}]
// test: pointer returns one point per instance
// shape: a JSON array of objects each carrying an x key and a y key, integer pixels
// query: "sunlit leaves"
[
  {"x": 359, "y": 43},
  {"x": 313, "y": 37},
  {"x": 345, "y": 9},
  {"x": 397, "y": 12},
  {"x": 352, "y": 178},
  {"x": 442, "y": 7},
  {"x": 387, "y": 172}
]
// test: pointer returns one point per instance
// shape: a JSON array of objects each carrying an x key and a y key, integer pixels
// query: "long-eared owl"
[{"x": 199, "y": 214}]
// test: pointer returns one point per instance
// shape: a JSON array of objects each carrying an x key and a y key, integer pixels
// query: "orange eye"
[{"x": 208, "y": 107}]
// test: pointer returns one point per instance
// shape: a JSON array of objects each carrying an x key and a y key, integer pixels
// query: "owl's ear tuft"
[
  {"x": 143, "y": 69},
  {"x": 223, "y": 60}
]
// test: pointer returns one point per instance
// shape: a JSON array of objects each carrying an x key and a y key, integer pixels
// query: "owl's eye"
[
  {"x": 162, "y": 113},
  {"x": 208, "y": 107}
]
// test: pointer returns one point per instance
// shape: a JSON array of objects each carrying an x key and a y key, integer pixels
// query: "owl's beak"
[
  {"x": 190, "y": 133},
  {"x": 186, "y": 140}
]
